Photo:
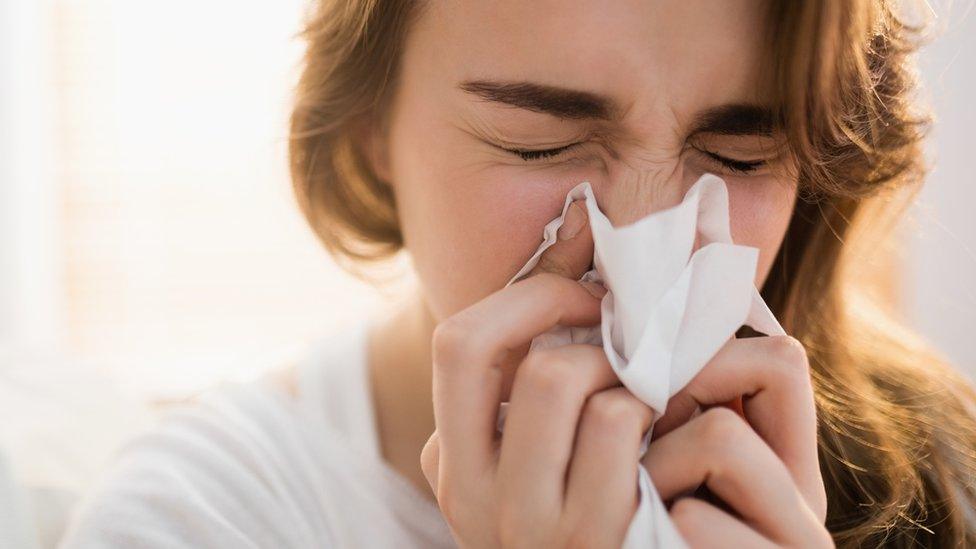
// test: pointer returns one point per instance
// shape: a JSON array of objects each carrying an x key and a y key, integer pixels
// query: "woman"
[{"x": 454, "y": 130}]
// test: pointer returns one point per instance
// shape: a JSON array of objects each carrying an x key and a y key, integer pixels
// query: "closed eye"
[
  {"x": 741, "y": 166},
  {"x": 731, "y": 164},
  {"x": 529, "y": 155}
]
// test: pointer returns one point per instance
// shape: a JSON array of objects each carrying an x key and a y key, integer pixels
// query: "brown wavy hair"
[{"x": 897, "y": 424}]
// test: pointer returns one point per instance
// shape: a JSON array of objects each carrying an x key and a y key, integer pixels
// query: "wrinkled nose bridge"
[{"x": 632, "y": 192}]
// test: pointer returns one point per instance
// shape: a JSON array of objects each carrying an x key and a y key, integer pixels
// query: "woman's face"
[{"x": 639, "y": 98}]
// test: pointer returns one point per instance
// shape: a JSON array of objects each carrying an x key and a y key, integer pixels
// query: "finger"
[
  {"x": 550, "y": 388},
  {"x": 570, "y": 256},
  {"x": 772, "y": 376},
  {"x": 468, "y": 348},
  {"x": 430, "y": 459},
  {"x": 603, "y": 471},
  {"x": 701, "y": 524},
  {"x": 572, "y": 253},
  {"x": 722, "y": 451}
]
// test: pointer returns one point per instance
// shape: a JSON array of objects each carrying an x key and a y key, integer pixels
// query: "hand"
[
  {"x": 564, "y": 470},
  {"x": 763, "y": 466}
]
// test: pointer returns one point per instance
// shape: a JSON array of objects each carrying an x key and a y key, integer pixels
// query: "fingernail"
[
  {"x": 595, "y": 288},
  {"x": 574, "y": 221}
]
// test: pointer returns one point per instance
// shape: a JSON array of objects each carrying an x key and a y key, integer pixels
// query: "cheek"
[
  {"x": 760, "y": 210},
  {"x": 468, "y": 225},
  {"x": 469, "y": 228}
]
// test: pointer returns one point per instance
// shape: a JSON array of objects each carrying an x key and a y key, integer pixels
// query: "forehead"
[{"x": 677, "y": 53}]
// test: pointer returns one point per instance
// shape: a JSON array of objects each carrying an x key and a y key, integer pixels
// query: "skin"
[{"x": 472, "y": 213}]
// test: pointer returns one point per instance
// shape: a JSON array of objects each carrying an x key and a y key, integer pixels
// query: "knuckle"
[
  {"x": 789, "y": 350},
  {"x": 721, "y": 429},
  {"x": 790, "y": 358},
  {"x": 545, "y": 373},
  {"x": 614, "y": 412},
  {"x": 452, "y": 341},
  {"x": 448, "y": 336},
  {"x": 429, "y": 457},
  {"x": 686, "y": 512}
]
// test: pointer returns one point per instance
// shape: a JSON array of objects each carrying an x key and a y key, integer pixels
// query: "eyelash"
[
  {"x": 529, "y": 155},
  {"x": 739, "y": 166}
]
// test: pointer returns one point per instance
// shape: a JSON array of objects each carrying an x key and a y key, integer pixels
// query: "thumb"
[{"x": 572, "y": 253}]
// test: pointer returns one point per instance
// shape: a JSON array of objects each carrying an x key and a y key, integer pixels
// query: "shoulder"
[
  {"x": 228, "y": 469},
  {"x": 274, "y": 462}
]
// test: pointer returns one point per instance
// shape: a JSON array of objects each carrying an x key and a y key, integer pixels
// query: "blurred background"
[
  {"x": 150, "y": 245},
  {"x": 149, "y": 241}
]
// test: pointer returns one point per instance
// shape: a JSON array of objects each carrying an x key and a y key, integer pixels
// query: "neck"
[{"x": 400, "y": 378}]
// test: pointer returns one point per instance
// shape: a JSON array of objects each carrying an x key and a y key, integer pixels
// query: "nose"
[{"x": 635, "y": 190}]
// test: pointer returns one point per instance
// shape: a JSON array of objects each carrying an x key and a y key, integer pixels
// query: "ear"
[{"x": 371, "y": 141}]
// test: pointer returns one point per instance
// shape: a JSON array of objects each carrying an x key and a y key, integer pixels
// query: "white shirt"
[{"x": 249, "y": 465}]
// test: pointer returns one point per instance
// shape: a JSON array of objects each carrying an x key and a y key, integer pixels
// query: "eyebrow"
[
  {"x": 730, "y": 119},
  {"x": 560, "y": 102},
  {"x": 735, "y": 119}
]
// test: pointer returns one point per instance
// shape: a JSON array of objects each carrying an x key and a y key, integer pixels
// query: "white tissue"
[{"x": 667, "y": 310}]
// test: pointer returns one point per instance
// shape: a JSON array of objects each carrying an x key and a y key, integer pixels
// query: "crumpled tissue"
[{"x": 667, "y": 311}]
